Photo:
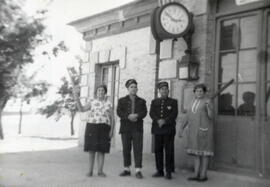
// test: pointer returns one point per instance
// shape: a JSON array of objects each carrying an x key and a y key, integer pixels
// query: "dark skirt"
[{"x": 97, "y": 137}]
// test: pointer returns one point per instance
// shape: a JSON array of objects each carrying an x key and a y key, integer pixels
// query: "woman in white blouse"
[{"x": 99, "y": 127}]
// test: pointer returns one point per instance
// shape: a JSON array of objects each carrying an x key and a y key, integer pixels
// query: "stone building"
[{"x": 231, "y": 40}]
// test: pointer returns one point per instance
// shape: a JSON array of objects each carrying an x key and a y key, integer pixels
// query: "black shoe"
[
  {"x": 158, "y": 174},
  {"x": 202, "y": 179},
  {"x": 168, "y": 176},
  {"x": 125, "y": 173},
  {"x": 102, "y": 174},
  {"x": 90, "y": 174},
  {"x": 139, "y": 175},
  {"x": 193, "y": 178}
]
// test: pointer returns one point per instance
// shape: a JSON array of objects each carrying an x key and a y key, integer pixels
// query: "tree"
[
  {"x": 19, "y": 35},
  {"x": 28, "y": 89},
  {"x": 66, "y": 103}
]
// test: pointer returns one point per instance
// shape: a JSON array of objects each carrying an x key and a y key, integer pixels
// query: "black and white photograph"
[{"x": 148, "y": 93}]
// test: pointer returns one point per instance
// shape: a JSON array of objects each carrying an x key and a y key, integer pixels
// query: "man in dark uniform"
[
  {"x": 163, "y": 112},
  {"x": 132, "y": 109}
]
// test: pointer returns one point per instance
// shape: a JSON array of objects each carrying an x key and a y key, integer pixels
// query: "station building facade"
[{"x": 231, "y": 40}]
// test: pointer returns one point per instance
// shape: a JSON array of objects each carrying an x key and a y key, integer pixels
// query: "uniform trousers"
[
  {"x": 132, "y": 139},
  {"x": 164, "y": 142}
]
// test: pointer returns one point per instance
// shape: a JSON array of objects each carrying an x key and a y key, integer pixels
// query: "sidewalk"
[{"x": 68, "y": 168}]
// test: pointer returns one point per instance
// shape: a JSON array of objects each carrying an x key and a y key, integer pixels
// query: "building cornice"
[{"x": 131, "y": 16}]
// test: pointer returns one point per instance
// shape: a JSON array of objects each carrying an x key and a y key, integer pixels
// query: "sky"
[{"x": 61, "y": 12}]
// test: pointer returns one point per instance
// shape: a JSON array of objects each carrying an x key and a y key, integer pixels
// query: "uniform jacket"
[
  {"x": 124, "y": 109},
  {"x": 167, "y": 109}
]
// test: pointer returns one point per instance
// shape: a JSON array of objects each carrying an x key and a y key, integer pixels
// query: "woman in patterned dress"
[
  {"x": 99, "y": 127},
  {"x": 200, "y": 132}
]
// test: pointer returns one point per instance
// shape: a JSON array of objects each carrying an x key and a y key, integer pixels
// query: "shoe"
[
  {"x": 193, "y": 178},
  {"x": 139, "y": 175},
  {"x": 202, "y": 179},
  {"x": 90, "y": 174},
  {"x": 125, "y": 173},
  {"x": 158, "y": 174},
  {"x": 101, "y": 174},
  {"x": 168, "y": 176}
]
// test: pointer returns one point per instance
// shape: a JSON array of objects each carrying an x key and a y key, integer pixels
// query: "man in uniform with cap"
[
  {"x": 132, "y": 109},
  {"x": 164, "y": 111}
]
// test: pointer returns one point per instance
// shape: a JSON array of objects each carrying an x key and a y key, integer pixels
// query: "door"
[
  {"x": 238, "y": 122},
  {"x": 265, "y": 55},
  {"x": 109, "y": 75}
]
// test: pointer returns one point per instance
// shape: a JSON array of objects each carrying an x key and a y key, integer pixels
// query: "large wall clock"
[{"x": 172, "y": 20}]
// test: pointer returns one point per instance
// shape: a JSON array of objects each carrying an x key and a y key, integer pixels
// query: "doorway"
[
  {"x": 109, "y": 74},
  {"x": 243, "y": 108}
]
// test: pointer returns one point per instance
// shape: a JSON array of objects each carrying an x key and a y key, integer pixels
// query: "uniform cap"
[
  {"x": 162, "y": 84},
  {"x": 130, "y": 81}
]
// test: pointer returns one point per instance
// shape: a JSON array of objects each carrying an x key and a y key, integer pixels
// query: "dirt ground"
[
  {"x": 45, "y": 155},
  {"x": 68, "y": 167}
]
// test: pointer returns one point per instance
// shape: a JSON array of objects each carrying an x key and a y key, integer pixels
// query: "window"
[
  {"x": 238, "y": 61},
  {"x": 267, "y": 99}
]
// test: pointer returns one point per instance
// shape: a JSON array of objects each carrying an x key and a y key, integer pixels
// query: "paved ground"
[{"x": 68, "y": 168}]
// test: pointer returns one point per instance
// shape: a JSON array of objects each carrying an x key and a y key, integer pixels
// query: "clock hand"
[
  {"x": 171, "y": 18},
  {"x": 178, "y": 20}
]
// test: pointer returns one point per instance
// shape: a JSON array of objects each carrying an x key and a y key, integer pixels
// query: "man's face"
[
  {"x": 132, "y": 89},
  {"x": 164, "y": 91}
]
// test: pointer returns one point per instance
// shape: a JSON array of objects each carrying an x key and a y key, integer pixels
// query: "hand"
[
  {"x": 161, "y": 122},
  {"x": 111, "y": 134},
  {"x": 133, "y": 117},
  {"x": 76, "y": 90},
  {"x": 207, "y": 105},
  {"x": 180, "y": 133},
  {"x": 172, "y": 18}
]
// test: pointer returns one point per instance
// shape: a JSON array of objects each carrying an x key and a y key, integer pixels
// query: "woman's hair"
[
  {"x": 101, "y": 86},
  {"x": 202, "y": 86}
]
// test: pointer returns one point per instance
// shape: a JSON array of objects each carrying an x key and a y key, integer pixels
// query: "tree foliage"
[
  {"x": 66, "y": 103},
  {"x": 27, "y": 89},
  {"x": 19, "y": 36}
]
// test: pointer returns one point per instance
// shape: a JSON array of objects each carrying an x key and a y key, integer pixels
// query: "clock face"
[{"x": 174, "y": 19}]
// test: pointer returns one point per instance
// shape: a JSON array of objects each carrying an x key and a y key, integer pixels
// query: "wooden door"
[
  {"x": 265, "y": 99},
  {"x": 238, "y": 116}
]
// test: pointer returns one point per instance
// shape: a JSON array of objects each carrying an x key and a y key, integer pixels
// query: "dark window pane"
[
  {"x": 226, "y": 101},
  {"x": 248, "y": 32},
  {"x": 268, "y": 49},
  {"x": 105, "y": 73},
  {"x": 268, "y": 25},
  {"x": 228, "y": 35},
  {"x": 268, "y": 100},
  {"x": 247, "y": 65},
  {"x": 227, "y": 69},
  {"x": 268, "y": 64},
  {"x": 246, "y": 100}
]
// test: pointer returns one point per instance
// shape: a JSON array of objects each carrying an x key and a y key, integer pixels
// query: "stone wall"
[{"x": 136, "y": 61}]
